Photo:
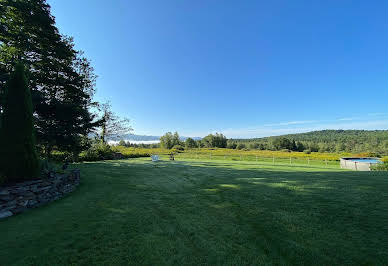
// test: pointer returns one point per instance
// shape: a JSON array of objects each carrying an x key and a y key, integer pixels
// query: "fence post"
[
  {"x": 326, "y": 162},
  {"x": 290, "y": 160},
  {"x": 240, "y": 158},
  {"x": 210, "y": 156},
  {"x": 308, "y": 161},
  {"x": 256, "y": 158},
  {"x": 273, "y": 159},
  {"x": 196, "y": 155}
]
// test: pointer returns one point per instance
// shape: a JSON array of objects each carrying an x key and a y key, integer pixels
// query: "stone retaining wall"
[{"x": 31, "y": 194}]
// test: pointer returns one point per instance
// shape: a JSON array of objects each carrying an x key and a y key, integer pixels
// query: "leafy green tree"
[
  {"x": 112, "y": 126},
  {"x": 18, "y": 155},
  {"x": 299, "y": 146},
  {"x": 122, "y": 143},
  {"x": 282, "y": 143},
  {"x": 176, "y": 139},
  {"x": 293, "y": 146},
  {"x": 190, "y": 143},
  {"x": 231, "y": 144},
  {"x": 166, "y": 141},
  {"x": 61, "y": 79},
  {"x": 215, "y": 141},
  {"x": 169, "y": 140}
]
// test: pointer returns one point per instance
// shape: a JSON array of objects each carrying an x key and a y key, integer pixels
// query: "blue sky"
[{"x": 243, "y": 68}]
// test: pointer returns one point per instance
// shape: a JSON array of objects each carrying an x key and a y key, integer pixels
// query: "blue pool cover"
[{"x": 365, "y": 160}]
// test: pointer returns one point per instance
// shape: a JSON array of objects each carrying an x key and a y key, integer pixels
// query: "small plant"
[
  {"x": 380, "y": 167},
  {"x": 308, "y": 151},
  {"x": 49, "y": 169},
  {"x": 97, "y": 152}
]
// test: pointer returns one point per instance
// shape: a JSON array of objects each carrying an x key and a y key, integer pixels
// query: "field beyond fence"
[{"x": 259, "y": 156}]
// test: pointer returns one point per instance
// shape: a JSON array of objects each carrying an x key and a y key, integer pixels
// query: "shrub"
[
  {"x": 97, "y": 152},
  {"x": 308, "y": 151},
  {"x": 18, "y": 155},
  {"x": 136, "y": 155},
  {"x": 178, "y": 148},
  {"x": 380, "y": 167},
  {"x": 232, "y": 145},
  {"x": 253, "y": 146},
  {"x": 241, "y": 146}
]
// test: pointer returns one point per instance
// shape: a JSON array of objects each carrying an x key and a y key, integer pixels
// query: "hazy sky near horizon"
[{"x": 243, "y": 68}]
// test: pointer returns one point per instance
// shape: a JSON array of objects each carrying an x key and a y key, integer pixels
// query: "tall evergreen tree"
[{"x": 18, "y": 156}]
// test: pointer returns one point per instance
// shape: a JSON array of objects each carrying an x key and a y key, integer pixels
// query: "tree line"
[
  {"x": 352, "y": 141},
  {"x": 174, "y": 141}
]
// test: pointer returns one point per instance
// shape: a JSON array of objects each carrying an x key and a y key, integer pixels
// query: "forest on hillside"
[{"x": 354, "y": 141}]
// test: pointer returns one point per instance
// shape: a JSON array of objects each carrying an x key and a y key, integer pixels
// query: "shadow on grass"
[
  {"x": 291, "y": 213},
  {"x": 191, "y": 212}
]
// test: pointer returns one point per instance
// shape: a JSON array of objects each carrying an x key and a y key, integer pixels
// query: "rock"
[
  {"x": 43, "y": 189},
  {"x": 5, "y": 214},
  {"x": 32, "y": 203},
  {"x": 24, "y": 203},
  {"x": 11, "y": 203},
  {"x": 4, "y": 192},
  {"x": 6, "y": 198},
  {"x": 29, "y": 183}
]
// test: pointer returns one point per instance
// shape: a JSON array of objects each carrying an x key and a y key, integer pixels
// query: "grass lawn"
[{"x": 211, "y": 212}]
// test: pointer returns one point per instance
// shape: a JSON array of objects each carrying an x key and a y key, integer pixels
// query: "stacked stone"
[{"x": 31, "y": 194}]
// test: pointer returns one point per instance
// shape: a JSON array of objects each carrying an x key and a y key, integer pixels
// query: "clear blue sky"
[{"x": 244, "y": 68}]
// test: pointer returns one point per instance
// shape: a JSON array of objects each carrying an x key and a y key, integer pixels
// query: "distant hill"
[
  {"x": 333, "y": 140},
  {"x": 331, "y": 135}
]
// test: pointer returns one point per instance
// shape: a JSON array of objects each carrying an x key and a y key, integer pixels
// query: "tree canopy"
[
  {"x": 169, "y": 140},
  {"x": 214, "y": 141},
  {"x": 61, "y": 79}
]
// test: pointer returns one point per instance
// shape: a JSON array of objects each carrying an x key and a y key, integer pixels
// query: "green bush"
[
  {"x": 100, "y": 151},
  {"x": 137, "y": 155},
  {"x": 307, "y": 151},
  {"x": 97, "y": 152},
  {"x": 178, "y": 148},
  {"x": 241, "y": 146},
  {"x": 49, "y": 169},
  {"x": 380, "y": 167}
]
